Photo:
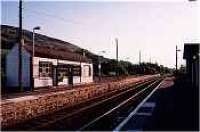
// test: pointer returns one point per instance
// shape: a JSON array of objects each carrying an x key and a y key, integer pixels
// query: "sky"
[{"x": 152, "y": 27}]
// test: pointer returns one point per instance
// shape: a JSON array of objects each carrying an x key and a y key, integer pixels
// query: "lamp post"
[
  {"x": 33, "y": 54},
  {"x": 117, "y": 56},
  {"x": 140, "y": 56},
  {"x": 99, "y": 65},
  {"x": 177, "y": 58}
]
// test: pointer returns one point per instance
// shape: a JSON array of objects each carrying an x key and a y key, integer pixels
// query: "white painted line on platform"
[
  {"x": 31, "y": 97},
  {"x": 119, "y": 127},
  {"x": 143, "y": 114},
  {"x": 149, "y": 104}
]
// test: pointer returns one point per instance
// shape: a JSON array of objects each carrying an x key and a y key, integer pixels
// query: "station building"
[
  {"x": 48, "y": 67},
  {"x": 191, "y": 55}
]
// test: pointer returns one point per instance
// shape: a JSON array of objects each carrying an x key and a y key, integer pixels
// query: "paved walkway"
[
  {"x": 174, "y": 106},
  {"x": 40, "y": 91},
  {"x": 44, "y": 90},
  {"x": 60, "y": 88},
  {"x": 139, "y": 117},
  {"x": 177, "y": 108}
]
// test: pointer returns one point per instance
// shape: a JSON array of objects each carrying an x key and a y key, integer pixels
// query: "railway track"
[
  {"x": 110, "y": 119},
  {"x": 85, "y": 115}
]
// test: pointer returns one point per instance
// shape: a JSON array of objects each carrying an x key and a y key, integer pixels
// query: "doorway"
[
  {"x": 55, "y": 76},
  {"x": 70, "y": 77}
]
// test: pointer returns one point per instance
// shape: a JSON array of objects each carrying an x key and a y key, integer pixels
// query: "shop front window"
[
  {"x": 45, "y": 69},
  {"x": 63, "y": 72}
]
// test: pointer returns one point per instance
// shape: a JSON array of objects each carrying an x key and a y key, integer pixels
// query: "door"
[{"x": 70, "y": 79}]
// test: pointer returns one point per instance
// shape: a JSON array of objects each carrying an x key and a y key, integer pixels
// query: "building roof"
[
  {"x": 55, "y": 53},
  {"x": 190, "y": 50}
]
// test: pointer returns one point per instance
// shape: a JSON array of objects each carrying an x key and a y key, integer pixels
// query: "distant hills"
[
  {"x": 109, "y": 66},
  {"x": 9, "y": 38}
]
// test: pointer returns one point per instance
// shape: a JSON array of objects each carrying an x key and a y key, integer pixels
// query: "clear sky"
[{"x": 155, "y": 28}]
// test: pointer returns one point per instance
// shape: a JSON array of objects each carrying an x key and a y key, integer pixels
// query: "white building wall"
[
  {"x": 48, "y": 81},
  {"x": 86, "y": 79},
  {"x": 38, "y": 59},
  {"x": 12, "y": 64},
  {"x": 77, "y": 79},
  {"x": 69, "y": 62},
  {"x": 12, "y": 70},
  {"x": 42, "y": 81}
]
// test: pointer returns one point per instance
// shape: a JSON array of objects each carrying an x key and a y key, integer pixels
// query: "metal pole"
[
  {"x": 192, "y": 73},
  {"x": 80, "y": 71},
  {"x": 33, "y": 54},
  {"x": 99, "y": 68},
  {"x": 33, "y": 42},
  {"x": 83, "y": 54},
  {"x": 117, "y": 57},
  {"x": 176, "y": 58},
  {"x": 139, "y": 57},
  {"x": 20, "y": 47}
]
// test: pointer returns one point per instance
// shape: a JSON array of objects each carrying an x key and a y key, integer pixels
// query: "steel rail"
[
  {"x": 115, "y": 108},
  {"x": 135, "y": 86},
  {"x": 120, "y": 126}
]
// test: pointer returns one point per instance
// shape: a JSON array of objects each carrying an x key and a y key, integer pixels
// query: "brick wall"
[{"x": 23, "y": 108}]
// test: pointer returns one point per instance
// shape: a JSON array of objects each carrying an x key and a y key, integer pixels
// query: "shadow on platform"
[{"x": 177, "y": 108}]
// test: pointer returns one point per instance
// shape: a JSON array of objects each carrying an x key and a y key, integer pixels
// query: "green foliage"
[{"x": 127, "y": 68}]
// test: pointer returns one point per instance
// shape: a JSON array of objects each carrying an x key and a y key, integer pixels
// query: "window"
[
  {"x": 45, "y": 69},
  {"x": 76, "y": 70},
  {"x": 67, "y": 70},
  {"x": 63, "y": 71}
]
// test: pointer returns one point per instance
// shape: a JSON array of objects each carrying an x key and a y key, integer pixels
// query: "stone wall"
[{"x": 23, "y": 108}]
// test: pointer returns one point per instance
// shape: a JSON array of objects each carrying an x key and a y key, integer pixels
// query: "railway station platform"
[
  {"x": 177, "y": 107},
  {"x": 50, "y": 89},
  {"x": 171, "y": 107},
  {"x": 21, "y": 107}
]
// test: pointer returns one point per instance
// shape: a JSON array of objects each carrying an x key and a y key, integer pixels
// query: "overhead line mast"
[
  {"x": 20, "y": 42},
  {"x": 117, "y": 56}
]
